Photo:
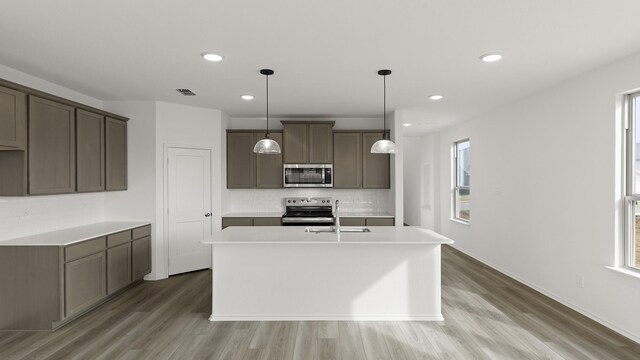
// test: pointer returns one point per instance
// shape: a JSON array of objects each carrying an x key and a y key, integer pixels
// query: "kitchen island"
[{"x": 285, "y": 273}]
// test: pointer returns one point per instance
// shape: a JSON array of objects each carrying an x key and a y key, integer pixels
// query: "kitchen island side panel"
[{"x": 326, "y": 281}]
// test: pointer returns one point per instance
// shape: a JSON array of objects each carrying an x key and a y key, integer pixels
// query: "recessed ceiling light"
[
  {"x": 490, "y": 57},
  {"x": 247, "y": 97},
  {"x": 212, "y": 57},
  {"x": 436, "y": 97},
  {"x": 406, "y": 124}
]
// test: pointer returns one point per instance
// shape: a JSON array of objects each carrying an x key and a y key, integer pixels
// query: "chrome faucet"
[{"x": 336, "y": 215}]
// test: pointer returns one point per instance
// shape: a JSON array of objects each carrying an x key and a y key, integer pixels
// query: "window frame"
[
  {"x": 631, "y": 194},
  {"x": 455, "y": 189}
]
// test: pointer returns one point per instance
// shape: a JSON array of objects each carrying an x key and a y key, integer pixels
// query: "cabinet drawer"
[
  {"x": 379, "y": 221},
  {"x": 226, "y": 222},
  {"x": 118, "y": 238},
  {"x": 352, "y": 222},
  {"x": 267, "y": 221},
  {"x": 141, "y": 232},
  {"x": 85, "y": 248}
]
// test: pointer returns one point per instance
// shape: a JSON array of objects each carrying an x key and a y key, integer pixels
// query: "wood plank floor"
[{"x": 487, "y": 316}]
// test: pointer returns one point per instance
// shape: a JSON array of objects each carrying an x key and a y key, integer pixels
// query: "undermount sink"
[{"x": 343, "y": 229}]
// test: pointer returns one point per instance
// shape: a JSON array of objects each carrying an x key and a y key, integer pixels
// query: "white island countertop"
[
  {"x": 73, "y": 235},
  {"x": 409, "y": 235}
]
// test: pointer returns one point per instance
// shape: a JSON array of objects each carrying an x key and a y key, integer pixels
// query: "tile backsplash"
[
  {"x": 270, "y": 200},
  {"x": 23, "y": 216}
]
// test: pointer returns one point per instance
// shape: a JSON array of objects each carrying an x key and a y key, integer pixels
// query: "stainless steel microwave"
[{"x": 307, "y": 175}]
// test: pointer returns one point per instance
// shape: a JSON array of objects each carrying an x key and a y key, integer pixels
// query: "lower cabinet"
[
  {"x": 84, "y": 282},
  {"x": 251, "y": 221},
  {"x": 118, "y": 267},
  {"x": 141, "y": 257},
  {"x": 361, "y": 221},
  {"x": 43, "y": 287}
]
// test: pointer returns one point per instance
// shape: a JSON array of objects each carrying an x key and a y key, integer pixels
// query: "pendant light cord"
[
  {"x": 384, "y": 106},
  {"x": 267, "y": 134}
]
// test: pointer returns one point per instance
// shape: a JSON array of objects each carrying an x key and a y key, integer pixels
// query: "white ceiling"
[{"x": 325, "y": 53}]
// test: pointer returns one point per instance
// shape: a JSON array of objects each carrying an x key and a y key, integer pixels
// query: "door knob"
[{"x": 207, "y": 214}]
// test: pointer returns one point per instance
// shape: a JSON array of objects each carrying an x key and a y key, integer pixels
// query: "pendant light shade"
[
  {"x": 267, "y": 145},
  {"x": 384, "y": 146}
]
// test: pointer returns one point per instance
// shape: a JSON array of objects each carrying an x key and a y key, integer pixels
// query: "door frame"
[{"x": 165, "y": 192}]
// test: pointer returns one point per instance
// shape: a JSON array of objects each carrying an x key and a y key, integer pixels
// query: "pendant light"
[
  {"x": 384, "y": 146},
  {"x": 267, "y": 145}
]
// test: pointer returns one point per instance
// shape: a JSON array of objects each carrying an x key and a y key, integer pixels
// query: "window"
[
  {"x": 461, "y": 181},
  {"x": 632, "y": 186}
]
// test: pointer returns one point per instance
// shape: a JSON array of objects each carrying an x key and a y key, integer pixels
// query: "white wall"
[
  {"x": 421, "y": 171},
  {"x": 545, "y": 193},
  {"x": 22, "y": 216}
]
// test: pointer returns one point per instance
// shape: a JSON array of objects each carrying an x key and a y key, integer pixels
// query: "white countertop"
[
  {"x": 408, "y": 235},
  {"x": 73, "y": 235},
  {"x": 346, "y": 214}
]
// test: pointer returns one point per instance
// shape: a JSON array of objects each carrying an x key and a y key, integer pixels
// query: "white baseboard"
[
  {"x": 338, "y": 317},
  {"x": 557, "y": 298},
  {"x": 155, "y": 277}
]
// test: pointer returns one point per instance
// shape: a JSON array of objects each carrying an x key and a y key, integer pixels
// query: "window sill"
[
  {"x": 625, "y": 271},
  {"x": 468, "y": 223}
]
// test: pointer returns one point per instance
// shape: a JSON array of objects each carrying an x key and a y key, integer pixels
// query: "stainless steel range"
[{"x": 308, "y": 211}]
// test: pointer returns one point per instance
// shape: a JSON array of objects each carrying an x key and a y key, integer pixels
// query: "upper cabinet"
[
  {"x": 90, "y": 151},
  {"x": 13, "y": 119},
  {"x": 52, "y": 147},
  {"x": 246, "y": 169},
  {"x": 375, "y": 167},
  {"x": 307, "y": 142},
  {"x": 354, "y": 166},
  {"x": 116, "y": 154}
]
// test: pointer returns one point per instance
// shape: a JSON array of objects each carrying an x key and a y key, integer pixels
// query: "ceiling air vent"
[{"x": 186, "y": 92}]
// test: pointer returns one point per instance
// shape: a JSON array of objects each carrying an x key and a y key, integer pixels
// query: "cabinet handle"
[{"x": 207, "y": 214}]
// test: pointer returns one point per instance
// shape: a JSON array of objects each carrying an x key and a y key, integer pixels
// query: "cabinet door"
[
  {"x": 13, "y": 119},
  {"x": 320, "y": 143},
  {"x": 375, "y": 167},
  {"x": 241, "y": 173},
  {"x": 379, "y": 221},
  {"x": 269, "y": 166},
  {"x": 118, "y": 267},
  {"x": 141, "y": 258},
  {"x": 85, "y": 283},
  {"x": 263, "y": 221},
  {"x": 116, "y": 154},
  {"x": 90, "y": 151},
  {"x": 52, "y": 149},
  {"x": 347, "y": 161},
  {"x": 296, "y": 138}
]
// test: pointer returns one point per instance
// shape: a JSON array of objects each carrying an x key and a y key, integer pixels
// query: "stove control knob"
[{"x": 294, "y": 201}]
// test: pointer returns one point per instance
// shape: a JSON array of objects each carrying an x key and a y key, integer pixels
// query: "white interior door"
[{"x": 189, "y": 209}]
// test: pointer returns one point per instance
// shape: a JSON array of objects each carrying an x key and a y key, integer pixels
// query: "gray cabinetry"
[
  {"x": 347, "y": 162},
  {"x": 85, "y": 282},
  {"x": 13, "y": 119},
  {"x": 90, "y": 165},
  {"x": 353, "y": 221},
  {"x": 116, "y": 154},
  {"x": 45, "y": 286},
  {"x": 367, "y": 221},
  {"x": 308, "y": 142},
  {"x": 295, "y": 143},
  {"x": 251, "y": 221},
  {"x": 52, "y": 158},
  {"x": 246, "y": 169},
  {"x": 240, "y": 160},
  {"x": 141, "y": 257},
  {"x": 354, "y": 166},
  {"x": 375, "y": 167},
  {"x": 269, "y": 166},
  {"x": 118, "y": 267}
]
